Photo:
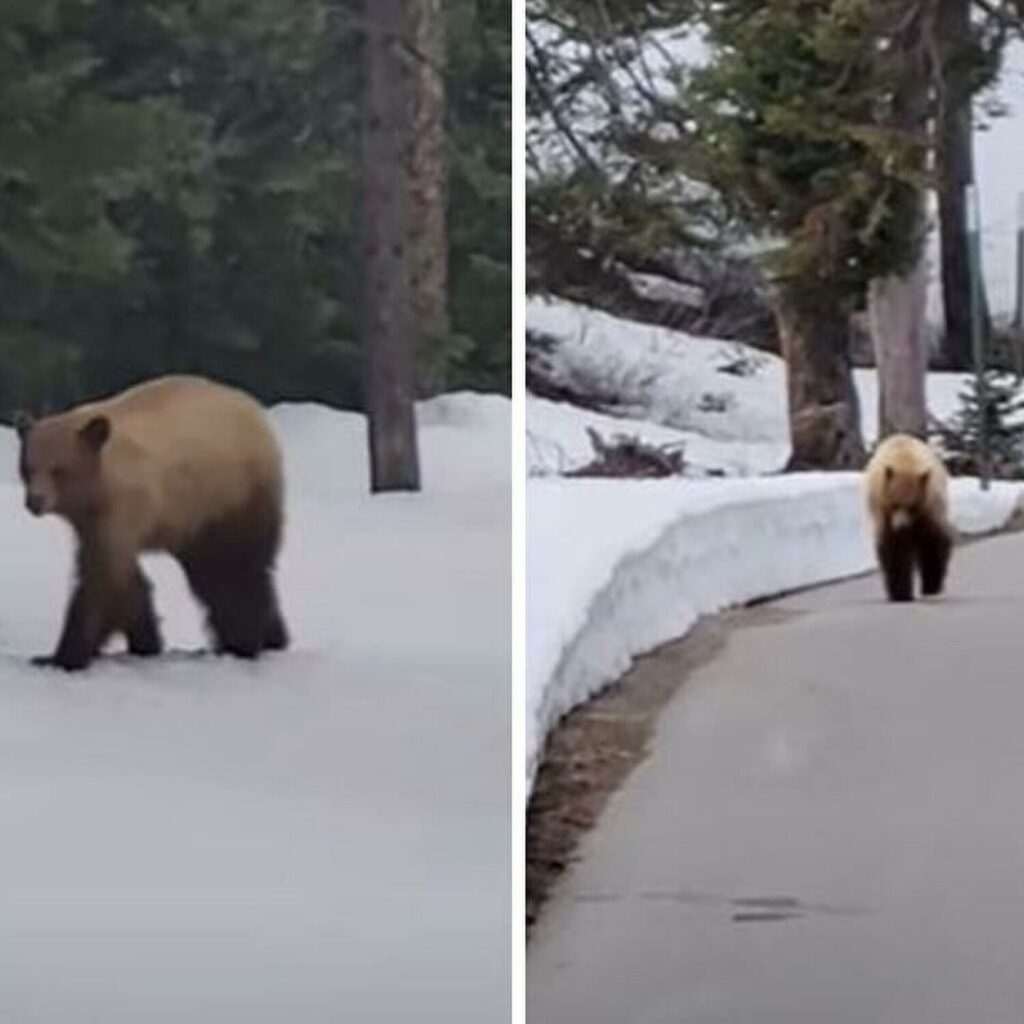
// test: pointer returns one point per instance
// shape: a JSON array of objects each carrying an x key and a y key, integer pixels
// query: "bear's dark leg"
[
  {"x": 230, "y": 570},
  {"x": 275, "y": 636},
  {"x": 934, "y": 548},
  {"x": 85, "y": 630},
  {"x": 896, "y": 557},
  {"x": 242, "y": 613},
  {"x": 236, "y": 613},
  {"x": 254, "y": 612},
  {"x": 140, "y": 622}
]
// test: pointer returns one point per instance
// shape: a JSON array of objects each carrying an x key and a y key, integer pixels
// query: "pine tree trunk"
[
  {"x": 389, "y": 328},
  {"x": 429, "y": 195},
  {"x": 896, "y": 308},
  {"x": 824, "y": 416},
  {"x": 955, "y": 166},
  {"x": 896, "y": 303}
]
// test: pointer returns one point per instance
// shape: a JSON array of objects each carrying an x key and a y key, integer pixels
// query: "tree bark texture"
[
  {"x": 896, "y": 303},
  {"x": 390, "y": 332},
  {"x": 429, "y": 194},
  {"x": 824, "y": 415},
  {"x": 896, "y": 308}
]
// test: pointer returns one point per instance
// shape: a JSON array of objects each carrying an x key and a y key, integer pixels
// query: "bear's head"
[
  {"x": 906, "y": 495},
  {"x": 61, "y": 462}
]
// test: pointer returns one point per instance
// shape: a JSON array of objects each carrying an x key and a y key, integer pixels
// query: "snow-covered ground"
[
  {"x": 316, "y": 837},
  {"x": 670, "y": 387}
]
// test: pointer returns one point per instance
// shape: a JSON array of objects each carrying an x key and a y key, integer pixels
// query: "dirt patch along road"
[
  {"x": 826, "y": 828},
  {"x": 592, "y": 751}
]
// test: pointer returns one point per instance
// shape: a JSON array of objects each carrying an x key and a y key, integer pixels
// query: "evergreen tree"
[
  {"x": 1000, "y": 396},
  {"x": 68, "y": 155},
  {"x": 787, "y": 128},
  {"x": 479, "y": 99},
  {"x": 179, "y": 191}
]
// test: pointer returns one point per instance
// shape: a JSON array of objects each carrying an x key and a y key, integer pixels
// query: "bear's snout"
[
  {"x": 901, "y": 519},
  {"x": 35, "y": 503}
]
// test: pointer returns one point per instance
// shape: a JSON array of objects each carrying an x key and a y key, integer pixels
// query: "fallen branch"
[{"x": 625, "y": 456}]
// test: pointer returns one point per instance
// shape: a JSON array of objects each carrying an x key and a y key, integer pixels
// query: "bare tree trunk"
[
  {"x": 896, "y": 303},
  {"x": 824, "y": 415},
  {"x": 429, "y": 195},
  {"x": 955, "y": 167},
  {"x": 896, "y": 308},
  {"x": 389, "y": 329}
]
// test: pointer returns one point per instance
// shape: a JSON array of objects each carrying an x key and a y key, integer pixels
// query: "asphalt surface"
[{"x": 829, "y": 827}]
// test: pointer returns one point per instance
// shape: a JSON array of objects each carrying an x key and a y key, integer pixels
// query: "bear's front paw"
[{"x": 59, "y": 661}]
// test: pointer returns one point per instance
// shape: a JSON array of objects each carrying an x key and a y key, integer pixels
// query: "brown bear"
[
  {"x": 906, "y": 486},
  {"x": 180, "y": 465}
]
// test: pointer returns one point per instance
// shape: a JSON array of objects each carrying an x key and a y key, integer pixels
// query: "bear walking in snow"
[
  {"x": 180, "y": 465},
  {"x": 906, "y": 485}
]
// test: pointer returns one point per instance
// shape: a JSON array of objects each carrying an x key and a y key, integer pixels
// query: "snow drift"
[
  {"x": 725, "y": 402},
  {"x": 615, "y": 567}
]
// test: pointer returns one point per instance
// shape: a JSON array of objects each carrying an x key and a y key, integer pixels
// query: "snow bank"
[
  {"x": 320, "y": 835},
  {"x": 664, "y": 376},
  {"x": 556, "y": 441},
  {"x": 615, "y": 568},
  {"x": 653, "y": 377},
  {"x": 460, "y": 446}
]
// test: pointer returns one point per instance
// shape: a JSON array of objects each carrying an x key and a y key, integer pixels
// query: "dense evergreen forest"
[{"x": 179, "y": 191}]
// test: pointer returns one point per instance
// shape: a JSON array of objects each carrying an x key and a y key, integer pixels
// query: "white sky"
[{"x": 999, "y": 156}]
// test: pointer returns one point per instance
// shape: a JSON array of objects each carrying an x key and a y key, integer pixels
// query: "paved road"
[{"x": 830, "y": 828}]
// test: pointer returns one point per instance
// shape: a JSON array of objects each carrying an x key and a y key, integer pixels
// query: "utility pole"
[
  {"x": 978, "y": 333},
  {"x": 1018, "y": 308}
]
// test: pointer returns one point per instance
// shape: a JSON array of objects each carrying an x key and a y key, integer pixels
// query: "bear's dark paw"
[
  {"x": 246, "y": 648},
  {"x": 149, "y": 647},
  {"x": 276, "y": 638},
  {"x": 234, "y": 651},
  {"x": 60, "y": 662},
  {"x": 900, "y": 593}
]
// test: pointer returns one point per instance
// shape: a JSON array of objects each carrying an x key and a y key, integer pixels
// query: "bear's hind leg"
[
  {"x": 237, "y": 600},
  {"x": 230, "y": 570},
  {"x": 896, "y": 557},
  {"x": 243, "y": 614},
  {"x": 141, "y": 627},
  {"x": 275, "y": 635},
  {"x": 934, "y": 549}
]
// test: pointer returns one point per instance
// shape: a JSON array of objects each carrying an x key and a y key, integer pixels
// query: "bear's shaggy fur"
[
  {"x": 180, "y": 465},
  {"x": 906, "y": 486}
]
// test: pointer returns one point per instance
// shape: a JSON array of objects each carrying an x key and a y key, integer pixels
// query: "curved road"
[{"x": 829, "y": 827}]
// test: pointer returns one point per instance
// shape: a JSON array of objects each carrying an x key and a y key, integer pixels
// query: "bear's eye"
[{"x": 59, "y": 472}]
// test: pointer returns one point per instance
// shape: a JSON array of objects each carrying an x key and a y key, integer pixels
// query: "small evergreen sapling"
[{"x": 959, "y": 438}]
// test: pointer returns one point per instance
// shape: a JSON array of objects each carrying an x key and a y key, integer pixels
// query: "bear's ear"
[
  {"x": 23, "y": 423},
  {"x": 95, "y": 433}
]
